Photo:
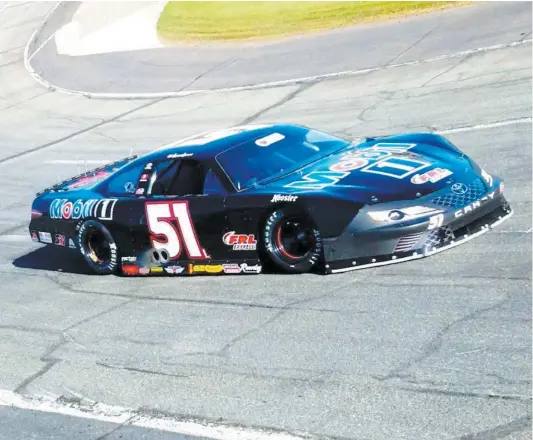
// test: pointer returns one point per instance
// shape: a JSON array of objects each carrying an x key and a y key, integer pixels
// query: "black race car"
[{"x": 236, "y": 200}]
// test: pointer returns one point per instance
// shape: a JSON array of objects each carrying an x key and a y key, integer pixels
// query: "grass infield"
[{"x": 232, "y": 21}]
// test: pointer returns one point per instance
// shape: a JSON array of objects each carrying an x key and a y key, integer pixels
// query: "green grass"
[{"x": 230, "y": 21}]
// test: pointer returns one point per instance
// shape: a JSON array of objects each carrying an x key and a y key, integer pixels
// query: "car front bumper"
[{"x": 366, "y": 243}]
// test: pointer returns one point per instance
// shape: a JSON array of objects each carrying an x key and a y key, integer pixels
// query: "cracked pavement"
[{"x": 436, "y": 349}]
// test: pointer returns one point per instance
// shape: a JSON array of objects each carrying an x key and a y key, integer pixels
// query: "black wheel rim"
[
  {"x": 294, "y": 239},
  {"x": 98, "y": 247}
]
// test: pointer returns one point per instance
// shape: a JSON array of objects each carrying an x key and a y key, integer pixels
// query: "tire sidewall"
[
  {"x": 102, "y": 269},
  {"x": 271, "y": 249}
]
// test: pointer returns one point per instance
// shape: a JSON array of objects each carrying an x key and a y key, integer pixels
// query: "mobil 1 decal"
[
  {"x": 386, "y": 159},
  {"x": 102, "y": 209}
]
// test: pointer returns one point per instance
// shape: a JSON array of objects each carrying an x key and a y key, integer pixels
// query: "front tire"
[
  {"x": 291, "y": 241},
  {"x": 98, "y": 247}
]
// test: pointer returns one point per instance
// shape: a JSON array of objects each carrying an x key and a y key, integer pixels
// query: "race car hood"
[{"x": 382, "y": 170}]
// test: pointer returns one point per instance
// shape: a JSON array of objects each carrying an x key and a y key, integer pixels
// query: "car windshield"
[{"x": 258, "y": 161}]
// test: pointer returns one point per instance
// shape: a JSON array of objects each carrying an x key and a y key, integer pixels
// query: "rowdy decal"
[
  {"x": 431, "y": 176},
  {"x": 101, "y": 209},
  {"x": 382, "y": 158},
  {"x": 251, "y": 269},
  {"x": 171, "y": 228},
  {"x": 469, "y": 208},
  {"x": 240, "y": 242}
]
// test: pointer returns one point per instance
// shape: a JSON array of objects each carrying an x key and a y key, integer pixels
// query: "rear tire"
[
  {"x": 291, "y": 241},
  {"x": 98, "y": 247}
]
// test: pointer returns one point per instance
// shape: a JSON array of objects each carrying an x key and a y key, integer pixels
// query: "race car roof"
[{"x": 207, "y": 145}]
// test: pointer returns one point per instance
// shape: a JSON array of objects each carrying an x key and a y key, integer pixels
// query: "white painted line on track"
[
  {"x": 41, "y": 46},
  {"x": 526, "y": 120},
  {"x": 142, "y": 95},
  {"x": 129, "y": 417},
  {"x": 486, "y": 126},
  {"x": 77, "y": 162}
]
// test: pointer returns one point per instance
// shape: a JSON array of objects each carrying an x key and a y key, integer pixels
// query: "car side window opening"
[
  {"x": 186, "y": 177},
  {"x": 125, "y": 181}
]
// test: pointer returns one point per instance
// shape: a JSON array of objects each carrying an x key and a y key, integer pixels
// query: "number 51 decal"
[{"x": 171, "y": 228}]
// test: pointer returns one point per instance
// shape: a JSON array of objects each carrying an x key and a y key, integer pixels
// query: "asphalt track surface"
[{"x": 437, "y": 349}]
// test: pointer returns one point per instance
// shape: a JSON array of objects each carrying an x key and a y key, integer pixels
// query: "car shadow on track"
[
  {"x": 57, "y": 259},
  {"x": 54, "y": 259}
]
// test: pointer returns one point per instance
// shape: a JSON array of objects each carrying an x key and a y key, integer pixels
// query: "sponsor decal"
[
  {"x": 128, "y": 259},
  {"x": 387, "y": 159},
  {"x": 71, "y": 244},
  {"x": 140, "y": 191},
  {"x": 178, "y": 155},
  {"x": 431, "y": 176},
  {"x": 130, "y": 269},
  {"x": 85, "y": 181},
  {"x": 45, "y": 237},
  {"x": 210, "y": 136},
  {"x": 34, "y": 236},
  {"x": 487, "y": 177},
  {"x": 283, "y": 198},
  {"x": 240, "y": 242},
  {"x": 144, "y": 177},
  {"x": 59, "y": 240},
  {"x": 269, "y": 140},
  {"x": 459, "y": 188},
  {"x": 469, "y": 208},
  {"x": 174, "y": 270},
  {"x": 435, "y": 221},
  {"x": 206, "y": 268},
  {"x": 231, "y": 268},
  {"x": 172, "y": 230},
  {"x": 144, "y": 270},
  {"x": 114, "y": 257},
  {"x": 129, "y": 187},
  {"x": 251, "y": 269},
  {"x": 101, "y": 209},
  {"x": 156, "y": 269}
]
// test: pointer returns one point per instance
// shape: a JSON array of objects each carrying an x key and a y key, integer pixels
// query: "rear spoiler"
[{"x": 57, "y": 186}]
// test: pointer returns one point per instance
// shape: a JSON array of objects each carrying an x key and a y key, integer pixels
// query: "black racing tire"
[
  {"x": 98, "y": 247},
  {"x": 291, "y": 241}
]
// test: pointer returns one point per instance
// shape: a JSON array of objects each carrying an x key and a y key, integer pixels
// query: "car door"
[{"x": 183, "y": 216}]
